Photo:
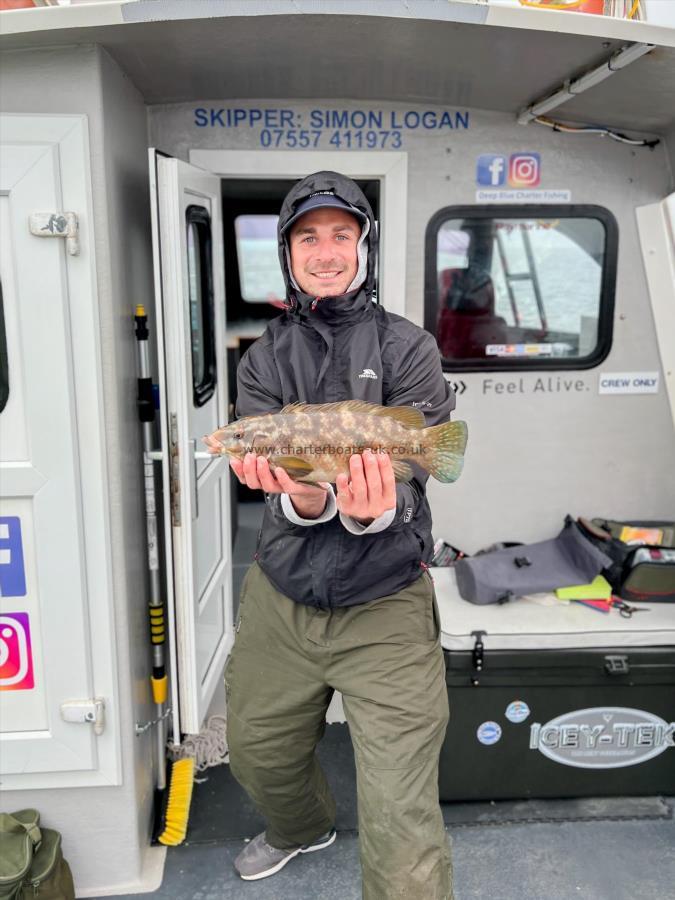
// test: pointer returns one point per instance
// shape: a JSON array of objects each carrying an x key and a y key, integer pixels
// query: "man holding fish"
[{"x": 337, "y": 391}]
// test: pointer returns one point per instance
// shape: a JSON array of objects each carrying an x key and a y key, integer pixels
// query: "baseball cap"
[{"x": 319, "y": 200}]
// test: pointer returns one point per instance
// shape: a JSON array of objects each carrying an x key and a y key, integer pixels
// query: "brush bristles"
[{"x": 178, "y": 807}]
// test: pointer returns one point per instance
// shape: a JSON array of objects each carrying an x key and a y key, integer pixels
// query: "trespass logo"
[{"x": 520, "y": 170}]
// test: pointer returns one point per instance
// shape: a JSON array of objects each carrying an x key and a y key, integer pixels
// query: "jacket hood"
[{"x": 347, "y": 190}]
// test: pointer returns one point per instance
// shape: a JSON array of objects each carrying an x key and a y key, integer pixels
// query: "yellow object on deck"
[
  {"x": 598, "y": 589},
  {"x": 178, "y": 806}
]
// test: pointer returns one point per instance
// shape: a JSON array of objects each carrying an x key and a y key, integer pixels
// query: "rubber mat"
[{"x": 221, "y": 809}]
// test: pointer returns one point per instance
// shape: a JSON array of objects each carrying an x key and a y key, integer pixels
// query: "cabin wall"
[
  {"x": 84, "y": 80},
  {"x": 127, "y": 194},
  {"x": 536, "y": 452}
]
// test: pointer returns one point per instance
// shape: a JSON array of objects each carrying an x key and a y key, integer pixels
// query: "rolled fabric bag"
[{"x": 503, "y": 575}]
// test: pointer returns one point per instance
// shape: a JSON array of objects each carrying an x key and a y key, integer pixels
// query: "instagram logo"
[
  {"x": 16, "y": 662},
  {"x": 524, "y": 170}
]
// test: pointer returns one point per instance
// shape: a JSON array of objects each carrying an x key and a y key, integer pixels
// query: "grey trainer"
[{"x": 259, "y": 859}]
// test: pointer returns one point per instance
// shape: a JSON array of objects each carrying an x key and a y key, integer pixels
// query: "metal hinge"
[
  {"x": 57, "y": 224},
  {"x": 151, "y": 456},
  {"x": 616, "y": 665},
  {"x": 88, "y": 712},
  {"x": 174, "y": 470}
]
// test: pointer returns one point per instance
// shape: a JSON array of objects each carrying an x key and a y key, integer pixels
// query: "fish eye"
[{"x": 238, "y": 435}]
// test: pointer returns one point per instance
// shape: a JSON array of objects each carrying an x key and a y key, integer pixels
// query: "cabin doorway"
[
  {"x": 254, "y": 286},
  {"x": 218, "y": 283}
]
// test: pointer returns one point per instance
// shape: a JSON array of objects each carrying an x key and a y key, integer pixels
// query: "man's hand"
[
  {"x": 371, "y": 490},
  {"x": 309, "y": 500}
]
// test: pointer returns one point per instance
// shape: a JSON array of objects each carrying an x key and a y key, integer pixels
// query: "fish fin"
[
  {"x": 402, "y": 471},
  {"x": 409, "y": 416},
  {"x": 246, "y": 420},
  {"x": 296, "y": 467},
  {"x": 446, "y": 444},
  {"x": 299, "y": 407}
]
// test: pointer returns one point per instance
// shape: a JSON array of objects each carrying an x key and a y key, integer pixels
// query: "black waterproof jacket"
[{"x": 318, "y": 355}]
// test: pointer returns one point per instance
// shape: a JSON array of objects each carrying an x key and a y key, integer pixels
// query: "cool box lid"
[{"x": 542, "y": 622}]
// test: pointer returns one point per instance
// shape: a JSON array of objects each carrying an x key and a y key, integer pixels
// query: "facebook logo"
[
  {"x": 12, "y": 574},
  {"x": 491, "y": 170}
]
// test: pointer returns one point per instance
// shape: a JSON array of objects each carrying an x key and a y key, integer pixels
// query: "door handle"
[
  {"x": 193, "y": 453},
  {"x": 158, "y": 456},
  {"x": 196, "y": 456}
]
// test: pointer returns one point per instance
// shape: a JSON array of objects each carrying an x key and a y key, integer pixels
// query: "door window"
[
  {"x": 200, "y": 300},
  {"x": 4, "y": 360}
]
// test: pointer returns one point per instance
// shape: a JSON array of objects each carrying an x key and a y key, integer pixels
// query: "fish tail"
[{"x": 445, "y": 446}]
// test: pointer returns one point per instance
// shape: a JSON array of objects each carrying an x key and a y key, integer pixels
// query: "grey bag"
[{"x": 528, "y": 568}]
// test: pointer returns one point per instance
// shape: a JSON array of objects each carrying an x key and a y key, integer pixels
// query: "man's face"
[{"x": 323, "y": 246}]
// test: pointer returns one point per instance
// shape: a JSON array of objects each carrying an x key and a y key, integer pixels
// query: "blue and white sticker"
[
  {"x": 12, "y": 571},
  {"x": 489, "y": 733},
  {"x": 517, "y": 711}
]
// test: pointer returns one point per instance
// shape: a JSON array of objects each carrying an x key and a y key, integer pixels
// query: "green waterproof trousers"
[{"x": 385, "y": 658}]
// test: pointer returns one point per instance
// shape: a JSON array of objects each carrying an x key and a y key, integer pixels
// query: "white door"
[
  {"x": 54, "y": 538},
  {"x": 189, "y": 287},
  {"x": 656, "y": 227}
]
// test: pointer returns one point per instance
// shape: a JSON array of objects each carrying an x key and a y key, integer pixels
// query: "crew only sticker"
[
  {"x": 603, "y": 737},
  {"x": 628, "y": 383}
]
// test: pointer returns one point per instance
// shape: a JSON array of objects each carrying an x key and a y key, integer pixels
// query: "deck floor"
[
  {"x": 557, "y": 861},
  {"x": 507, "y": 852}
]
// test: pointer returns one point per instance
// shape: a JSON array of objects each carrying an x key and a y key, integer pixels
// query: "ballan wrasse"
[{"x": 313, "y": 441}]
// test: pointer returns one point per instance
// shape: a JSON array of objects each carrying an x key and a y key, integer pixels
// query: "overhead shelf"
[{"x": 464, "y": 55}]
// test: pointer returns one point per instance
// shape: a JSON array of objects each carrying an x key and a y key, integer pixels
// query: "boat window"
[
  {"x": 521, "y": 287},
  {"x": 260, "y": 275},
  {"x": 200, "y": 299},
  {"x": 4, "y": 361}
]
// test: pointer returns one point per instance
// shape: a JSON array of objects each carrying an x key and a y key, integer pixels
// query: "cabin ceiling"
[{"x": 365, "y": 58}]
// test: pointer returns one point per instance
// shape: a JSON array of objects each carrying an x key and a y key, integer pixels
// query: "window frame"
[
  {"x": 525, "y": 211},
  {"x": 4, "y": 357},
  {"x": 205, "y": 389}
]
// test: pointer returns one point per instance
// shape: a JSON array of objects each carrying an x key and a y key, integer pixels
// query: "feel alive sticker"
[
  {"x": 517, "y": 711},
  {"x": 489, "y": 733}
]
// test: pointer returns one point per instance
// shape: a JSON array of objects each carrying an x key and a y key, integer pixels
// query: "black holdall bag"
[
  {"x": 503, "y": 575},
  {"x": 642, "y": 554}
]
